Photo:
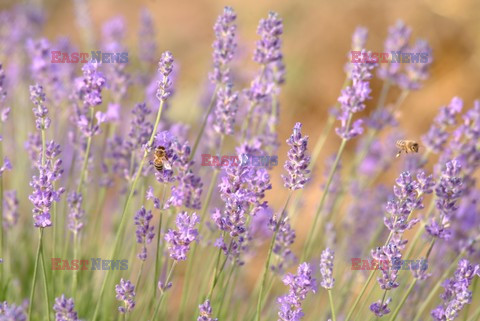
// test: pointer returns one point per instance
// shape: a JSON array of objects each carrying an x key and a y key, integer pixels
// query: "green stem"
[
  {"x": 227, "y": 290},
  {"x": 139, "y": 277},
  {"x": 45, "y": 280},
  {"x": 402, "y": 302},
  {"x": 362, "y": 291},
  {"x": 162, "y": 294},
  {"x": 202, "y": 128},
  {"x": 75, "y": 274},
  {"x": 125, "y": 207},
  {"x": 311, "y": 234},
  {"x": 87, "y": 153},
  {"x": 32, "y": 291},
  {"x": 216, "y": 273},
  {"x": 157, "y": 256},
  {"x": 269, "y": 256},
  {"x": 321, "y": 141},
  {"x": 331, "y": 304}
]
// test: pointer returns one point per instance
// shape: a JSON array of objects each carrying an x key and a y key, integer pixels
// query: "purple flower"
[
  {"x": 144, "y": 231},
  {"x": 165, "y": 67},
  {"x": 438, "y": 135},
  {"x": 120, "y": 150},
  {"x": 64, "y": 309},
  {"x": 147, "y": 46},
  {"x": 463, "y": 145},
  {"x": 10, "y": 209},
  {"x": 76, "y": 215},
  {"x": 359, "y": 38},
  {"x": 326, "y": 269},
  {"x": 392, "y": 254},
  {"x": 456, "y": 294},
  {"x": 268, "y": 48},
  {"x": 300, "y": 284},
  {"x": 189, "y": 189},
  {"x": 298, "y": 160},
  {"x": 33, "y": 146},
  {"x": 285, "y": 238},
  {"x": 408, "y": 197},
  {"x": 352, "y": 100},
  {"x": 396, "y": 42},
  {"x": 125, "y": 291},
  {"x": 44, "y": 194},
  {"x": 205, "y": 312},
  {"x": 179, "y": 240},
  {"x": 89, "y": 87},
  {"x": 224, "y": 46},
  {"x": 379, "y": 308},
  {"x": 114, "y": 30},
  {"x": 225, "y": 110},
  {"x": 6, "y": 166},
  {"x": 448, "y": 190},
  {"x": 11, "y": 312},
  {"x": 3, "y": 89},
  {"x": 37, "y": 96},
  {"x": 417, "y": 70},
  {"x": 151, "y": 196}
]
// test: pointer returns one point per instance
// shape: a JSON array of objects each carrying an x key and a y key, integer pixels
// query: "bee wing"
[{"x": 166, "y": 164}]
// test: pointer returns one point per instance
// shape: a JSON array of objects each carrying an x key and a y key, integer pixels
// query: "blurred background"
[{"x": 316, "y": 40}]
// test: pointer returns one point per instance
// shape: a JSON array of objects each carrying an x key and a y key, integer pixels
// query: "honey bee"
[
  {"x": 406, "y": 146},
  {"x": 160, "y": 159}
]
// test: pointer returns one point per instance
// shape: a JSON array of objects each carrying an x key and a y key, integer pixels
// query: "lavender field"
[{"x": 126, "y": 195}]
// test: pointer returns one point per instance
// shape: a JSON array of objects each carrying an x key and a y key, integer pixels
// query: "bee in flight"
[
  {"x": 406, "y": 146},
  {"x": 160, "y": 159}
]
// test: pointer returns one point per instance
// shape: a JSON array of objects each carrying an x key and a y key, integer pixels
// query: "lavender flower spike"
[
  {"x": 205, "y": 312},
  {"x": 125, "y": 292},
  {"x": 326, "y": 269},
  {"x": 144, "y": 232},
  {"x": 224, "y": 46},
  {"x": 448, "y": 191},
  {"x": 91, "y": 85},
  {"x": 179, "y": 240},
  {"x": 352, "y": 100},
  {"x": 298, "y": 160},
  {"x": 37, "y": 96},
  {"x": 75, "y": 223},
  {"x": 43, "y": 194},
  {"x": 456, "y": 294},
  {"x": 64, "y": 309},
  {"x": 225, "y": 110},
  {"x": 268, "y": 48},
  {"x": 300, "y": 284},
  {"x": 11, "y": 312},
  {"x": 379, "y": 308},
  {"x": 165, "y": 67}
]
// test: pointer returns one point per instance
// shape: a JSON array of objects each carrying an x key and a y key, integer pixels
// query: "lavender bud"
[
  {"x": 64, "y": 309},
  {"x": 300, "y": 284},
  {"x": 179, "y": 240},
  {"x": 326, "y": 269},
  {"x": 125, "y": 291},
  {"x": 298, "y": 160},
  {"x": 205, "y": 312}
]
